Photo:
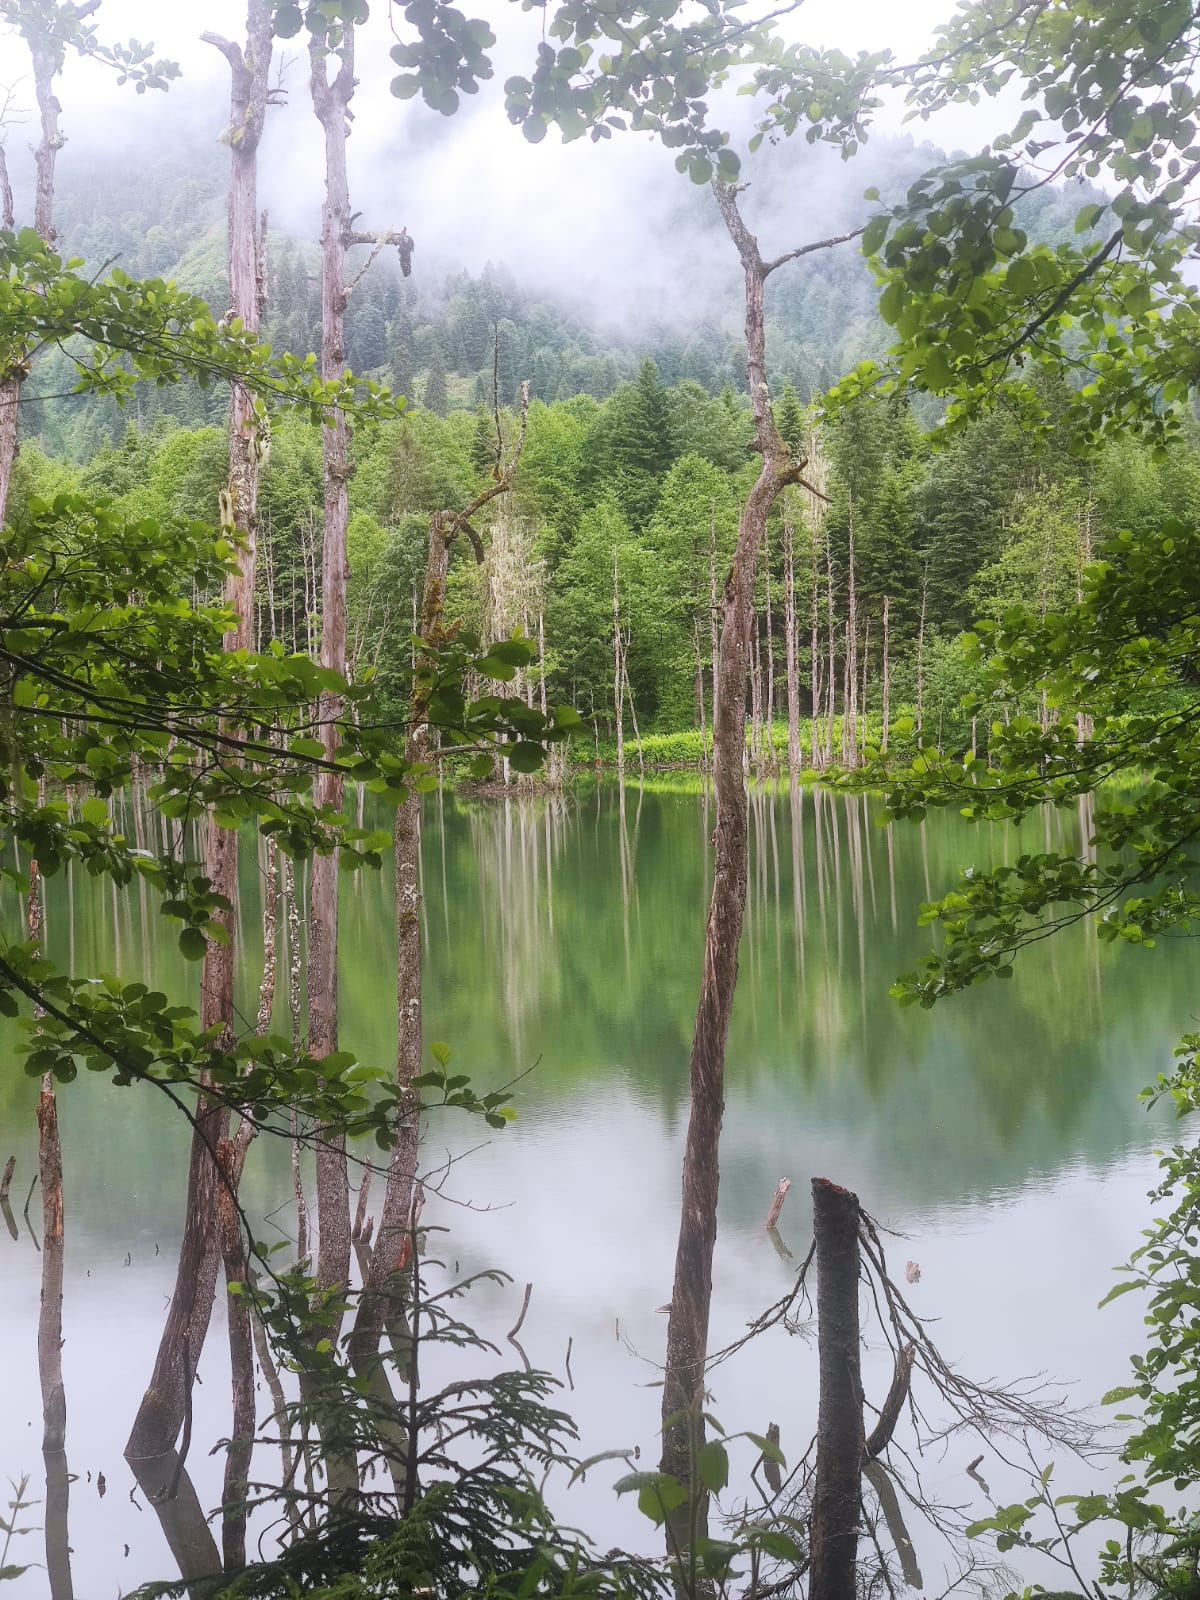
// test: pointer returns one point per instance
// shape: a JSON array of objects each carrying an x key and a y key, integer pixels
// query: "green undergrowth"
[{"x": 687, "y": 748}]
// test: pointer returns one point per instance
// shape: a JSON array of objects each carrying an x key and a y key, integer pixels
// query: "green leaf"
[
  {"x": 712, "y": 1463},
  {"x": 1119, "y": 1289},
  {"x": 193, "y": 944},
  {"x": 778, "y": 1545},
  {"x": 768, "y": 1447},
  {"x": 525, "y": 757}
]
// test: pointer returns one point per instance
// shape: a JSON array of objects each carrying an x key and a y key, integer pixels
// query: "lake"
[{"x": 1000, "y": 1135}]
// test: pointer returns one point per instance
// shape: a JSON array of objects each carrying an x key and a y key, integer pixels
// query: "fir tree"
[
  {"x": 437, "y": 397},
  {"x": 790, "y": 420}
]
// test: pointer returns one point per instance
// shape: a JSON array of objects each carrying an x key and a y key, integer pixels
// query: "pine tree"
[
  {"x": 437, "y": 397},
  {"x": 790, "y": 420}
]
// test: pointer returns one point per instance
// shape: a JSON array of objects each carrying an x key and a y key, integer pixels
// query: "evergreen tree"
[
  {"x": 790, "y": 419},
  {"x": 436, "y": 397}
]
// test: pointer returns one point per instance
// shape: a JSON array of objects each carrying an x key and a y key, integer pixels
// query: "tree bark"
[
  {"x": 241, "y": 1353},
  {"x": 331, "y": 102},
  {"x": 837, "y": 1491},
  {"x": 160, "y": 1415},
  {"x": 687, "y": 1329},
  {"x": 50, "y": 1180},
  {"x": 46, "y": 61},
  {"x": 381, "y": 1298}
]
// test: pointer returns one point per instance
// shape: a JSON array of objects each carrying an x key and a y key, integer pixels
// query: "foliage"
[
  {"x": 149, "y": 330},
  {"x": 455, "y": 1475},
  {"x": 980, "y": 306}
]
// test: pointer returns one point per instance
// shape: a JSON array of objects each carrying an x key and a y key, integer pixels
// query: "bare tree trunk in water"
[
  {"x": 160, "y": 1415},
  {"x": 58, "y": 1540},
  {"x": 241, "y": 1351},
  {"x": 54, "y": 1398},
  {"x": 50, "y": 1180},
  {"x": 47, "y": 63},
  {"x": 789, "y": 625},
  {"x": 382, "y": 1293},
  {"x": 331, "y": 102},
  {"x": 687, "y": 1329},
  {"x": 837, "y": 1492}
]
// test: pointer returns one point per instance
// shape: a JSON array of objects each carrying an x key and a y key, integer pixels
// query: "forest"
[{"x": 497, "y": 771}]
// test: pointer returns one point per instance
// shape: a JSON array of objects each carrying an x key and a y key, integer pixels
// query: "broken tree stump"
[{"x": 837, "y": 1491}]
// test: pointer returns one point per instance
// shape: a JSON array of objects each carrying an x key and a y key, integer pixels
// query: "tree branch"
[
  {"x": 1061, "y": 298},
  {"x": 811, "y": 249},
  {"x": 231, "y": 51}
]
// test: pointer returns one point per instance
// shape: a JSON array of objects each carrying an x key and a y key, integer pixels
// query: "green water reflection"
[
  {"x": 564, "y": 935},
  {"x": 563, "y": 938}
]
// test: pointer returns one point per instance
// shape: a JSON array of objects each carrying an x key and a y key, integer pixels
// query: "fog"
[{"x": 610, "y": 225}]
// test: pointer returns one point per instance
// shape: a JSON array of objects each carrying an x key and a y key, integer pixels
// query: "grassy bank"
[{"x": 665, "y": 751}]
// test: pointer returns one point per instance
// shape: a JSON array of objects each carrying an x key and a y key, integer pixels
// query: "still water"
[{"x": 1000, "y": 1136}]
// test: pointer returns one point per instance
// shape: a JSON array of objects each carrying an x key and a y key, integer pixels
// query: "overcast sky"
[{"x": 469, "y": 188}]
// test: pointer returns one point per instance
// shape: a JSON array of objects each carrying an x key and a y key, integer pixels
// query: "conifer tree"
[{"x": 436, "y": 398}]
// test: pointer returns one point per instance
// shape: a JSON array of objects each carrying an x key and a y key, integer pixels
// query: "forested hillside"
[{"x": 638, "y": 456}]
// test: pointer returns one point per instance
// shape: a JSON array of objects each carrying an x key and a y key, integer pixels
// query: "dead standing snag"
[
  {"x": 687, "y": 1331},
  {"x": 379, "y": 1300},
  {"x": 160, "y": 1415},
  {"x": 837, "y": 1492}
]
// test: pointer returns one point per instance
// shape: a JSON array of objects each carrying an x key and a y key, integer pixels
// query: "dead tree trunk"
[
  {"x": 331, "y": 101},
  {"x": 837, "y": 1491},
  {"x": 160, "y": 1415},
  {"x": 379, "y": 1300},
  {"x": 241, "y": 1352},
  {"x": 46, "y": 57},
  {"x": 50, "y": 1180},
  {"x": 687, "y": 1329}
]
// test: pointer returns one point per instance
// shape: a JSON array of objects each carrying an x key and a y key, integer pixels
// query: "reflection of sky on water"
[{"x": 1000, "y": 1136}]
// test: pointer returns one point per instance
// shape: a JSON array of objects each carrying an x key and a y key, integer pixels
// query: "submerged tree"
[
  {"x": 687, "y": 1329},
  {"x": 162, "y": 1411}
]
